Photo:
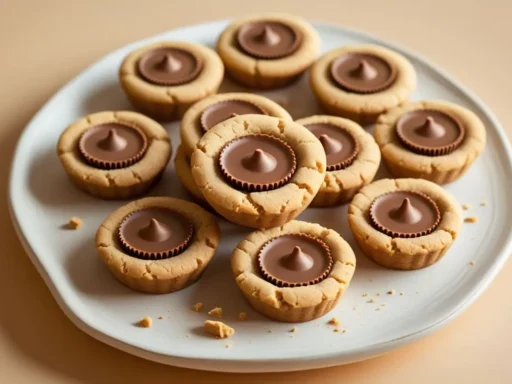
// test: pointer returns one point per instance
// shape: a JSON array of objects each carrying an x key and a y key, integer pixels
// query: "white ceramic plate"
[{"x": 42, "y": 200}]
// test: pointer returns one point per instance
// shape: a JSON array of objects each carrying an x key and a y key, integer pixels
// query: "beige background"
[{"x": 46, "y": 43}]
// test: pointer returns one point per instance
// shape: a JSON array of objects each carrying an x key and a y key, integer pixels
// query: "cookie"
[
  {"x": 294, "y": 273},
  {"x": 353, "y": 158},
  {"x": 269, "y": 50},
  {"x": 404, "y": 223},
  {"x": 433, "y": 140},
  {"x": 184, "y": 173},
  {"x": 259, "y": 171},
  {"x": 158, "y": 244},
  {"x": 114, "y": 154},
  {"x": 164, "y": 79},
  {"x": 360, "y": 82},
  {"x": 214, "y": 109}
]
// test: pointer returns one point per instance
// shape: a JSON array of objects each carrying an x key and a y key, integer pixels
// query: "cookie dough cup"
[
  {"x": 350, "y": 165},
  {"x": 269, "y": 50},
  {"x": 438, "y": 163},
  {"x": 388, "y": 249},
  {"x": 184, "y": 173},
  {"x": 163, "y": 79},
  {"x": 214, "y": 109},
  {"x": 362, "y": 81},
  {"x": 113, "y": 179},
  {"x": 158, "y": 272},
  {"x": 287, "y": 198},
  {"x": 298, "y": 303}
]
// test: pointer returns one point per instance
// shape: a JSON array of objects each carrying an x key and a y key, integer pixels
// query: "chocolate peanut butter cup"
[
  {"x": 362, "y": 72},
  {"x": 112, "y": 145},
  {"x": 269, "y": 39},
  {"x": 155, "y": 233},
  {"x": 430, "y": 132},
  {"x": 340, "y": 146},
  {"x": 404, "y": 214},
  {"x": 169, "y": 66},
  {"x": 223, "y": 110},
  {"x": 257, "y": 162},
  {"x": 294, "y": 260}
]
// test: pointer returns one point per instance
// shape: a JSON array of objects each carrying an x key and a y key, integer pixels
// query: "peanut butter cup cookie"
[
  {"x": 184, "y": 173},
  {"x": 114, "y": 155},
  {"x": 353, "y": 158},
  {"x": 362, "y": 81},
  {"x": 269, "y": 50},
  {"x": 259, "y": 171},
  {"x": 433, "y": 140},
  {"x": 158, "y": 244},
  {"x": 294, "y": 273},
  {"x": 404, "y": 223},
  {"x": 215, "y": 109},
  {"x": 163, "y": 79}
]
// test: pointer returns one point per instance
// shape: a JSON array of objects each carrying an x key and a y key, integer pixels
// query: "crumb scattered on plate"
[
  {"x": 198, "y": 307},
  {"x": 293, "y": 330},
  {"x": 145, "y": 322},
  {"x": 242, "y": 316},
  {"x": 391, "y": 292},
  {"x": 466, "y": 207},
  {"x": 160, "y": 317},
  {"x": 218, "y": 329},
  {"x": 365, "y": 294},
  {"x": 228, "y": 346},
  {"x": 483, "y": 204},
  {"x": 269, "y": 331},
  {"x": 74, "y": 223},
  {"x": 401, "y": 293},
  {"x": 333, "y": 321},
  {"x": 371, "y": 301},
  {"x": 216, "y": 312},
  {"x": 471, "y": 219},
  {"x": 344, "y": 330},
  {"x": 472, "y": 262},
  {"x": 336, "y": 329},
  {"x": 377, "y": 294},
  {"x": 377, "y": 309}
]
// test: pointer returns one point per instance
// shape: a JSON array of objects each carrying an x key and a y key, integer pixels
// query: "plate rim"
[{"x": 268, "y": 365}]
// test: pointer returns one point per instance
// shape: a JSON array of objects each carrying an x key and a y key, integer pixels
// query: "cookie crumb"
[
  {"x": 218, "y": 329},
  {"x": 333, "y": 321},
  {"x": 293, "y": 330},
  {"x": 401, "y": 293},
  {"x": 483, "y": 203},
  {"x": 336, "y": 330},
  {"x": 198, "y": 307},
  {"x": 216, "y": 312},
  {"x": 383, "y": 305},
  {"x": 145, "y": 322},
  {"x": 466, "y": 207},
  {"x": 377, "y": 309},
  {"x": 391, "y": 292},
  {"x": 355, "y": 308},
  {"x": 365, "y": 294},
  {"x": 371, "y": 301},
  {"x": 160, "y": 317},
  {"x": 75, "y": 223},
  {"x": 228, "y": 346},
  {"x": 471, "y": 219},
  {"x": 344, "y": 330},
  {"x": 242, "y": 316},
  {"x": 472, "y": 262},
  {"x": 269, "y": 331},
  {"x": 377, "y": 294}
]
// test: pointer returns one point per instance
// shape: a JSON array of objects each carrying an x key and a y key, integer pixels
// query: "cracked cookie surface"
[
  {"x": 165, "y": 275},
  {"x": 260, "y": 73},
  {"x": 297, "y": 304},
  {"x": 404, "y": 253},
  {"x": 259, "y": 209},
  {"x": 403, "y": 162},
  {"x": 190, "y": 126},
  {"x": 366, "y": 107},
  {"x": 340, "y": 186},
  {"x": 170, "y": 102},
  {"x": 122, "y": 183}
]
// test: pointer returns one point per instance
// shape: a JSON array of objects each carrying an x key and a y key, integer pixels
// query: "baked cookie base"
[
  {"x": 402, "y": 162},
  {"x": 159, "y": 276},
  {"x": 184, "y": 173},
  {"x": 297, "y": 304},
  {"x": 401, "y": 253}
]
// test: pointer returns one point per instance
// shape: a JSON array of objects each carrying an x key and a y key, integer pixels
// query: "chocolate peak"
[
  {"x": 155, "y": 231},
  {"x": 113, "y": 142},
  {"x": 169, "y": 63},
  {"x": 297, "y": 260},
  {"x": 364, "y": 71},
  {"x": 406, "y": 213},
  {"x": 330, "y": 145},
  {"x": 268, "y": 36},
  {"x": 260, "y": 161},
  {"x": 430, "y": 128}
]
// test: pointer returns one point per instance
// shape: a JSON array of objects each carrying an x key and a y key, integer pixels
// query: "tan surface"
[{"x": 47, "y": 43}]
